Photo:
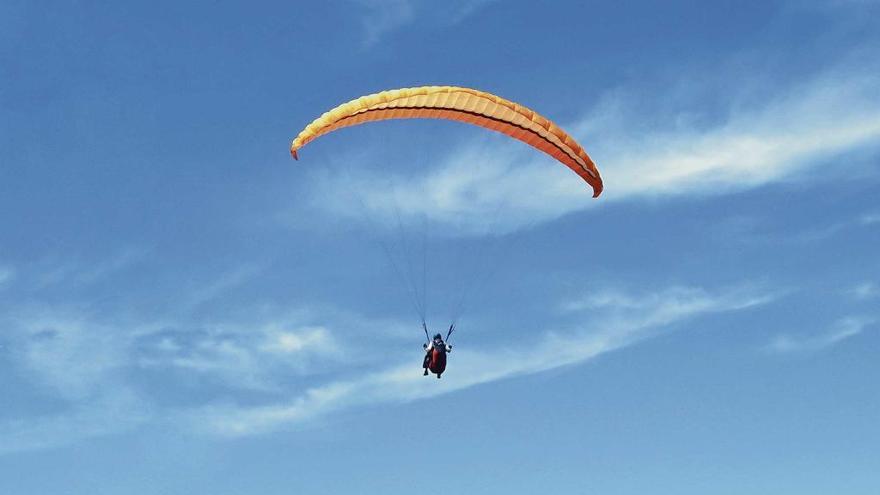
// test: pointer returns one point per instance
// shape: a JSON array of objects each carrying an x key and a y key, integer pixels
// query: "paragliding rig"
[
  {"x": 436, "y": 350},
  {"x": 460, "y": 104}
]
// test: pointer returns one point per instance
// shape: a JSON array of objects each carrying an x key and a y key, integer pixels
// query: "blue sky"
[{"x": 184, "y": 309}]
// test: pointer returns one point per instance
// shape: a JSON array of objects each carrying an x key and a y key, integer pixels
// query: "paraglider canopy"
[{"x": 464, "y": 105}]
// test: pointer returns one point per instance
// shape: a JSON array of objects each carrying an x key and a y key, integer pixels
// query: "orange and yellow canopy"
[{"x": 464, "y": 105}]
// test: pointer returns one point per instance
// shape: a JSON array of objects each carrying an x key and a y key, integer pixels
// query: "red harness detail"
[{"x": 438, "y": 362}]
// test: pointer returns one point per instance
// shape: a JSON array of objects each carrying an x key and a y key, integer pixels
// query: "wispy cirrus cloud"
[
  {"x": 865, "y": 291},
  {"x": 77, "y": 361},
  {"x": 627, "y": 320},
  {"x": 381, "y": 17},
  {"x": 65, "y": 351},
  {"x": 93, "y": 369},
  {"x": 842, "y": 330},
  {"x": 746, "y": 230},
  {"x": 249, "y": 357},
  {"x": 222, "y": 283},
  {"x": 767, "y": 140},
  {"x": 93, "y": 364},
  {"x": 669, "y": 303},
  {"x": 72, "y": 272}
]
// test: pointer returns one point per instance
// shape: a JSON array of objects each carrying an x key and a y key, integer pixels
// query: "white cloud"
[
  {"x": 89, "y": 364},
  {"x": 86, "y": 365},
  {"x": 466, "y": 8},
  {"x": 251, "y": 356},
  {"x": 75, "y": 354},
  {"x": 669, "y": 303},
  {"x": 866, "y": 290},
  {"x": 66, "y": 352},
  {"x": 72, "y": 354},
  {"x": 382, "y": 17},
  {"x": 777, "y": 139},
  {"x": 751, "y": 230},
  {"x": 78, "y": 362},
  {"x": 307, "y": 338},
  {"x": 53, "y": 272},
  {"x": 842, "y": 330},
  {"x": 642, "y": 318},
  {"x": 223, "y": 283},
  {"x": 787, "y": 136}
]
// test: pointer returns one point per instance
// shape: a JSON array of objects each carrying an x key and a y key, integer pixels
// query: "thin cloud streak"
[
  {"x": 225, "y": 282},
  {"x": 842, "y": 330},
  {"x": 382, "y": 17},
  {"x": 404, "y": 383},
  {"x": 52, "y": 273},
  {"x": 865, "y": 291}
]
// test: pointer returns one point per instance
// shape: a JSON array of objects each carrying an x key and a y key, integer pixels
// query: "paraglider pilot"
[{"x": 435, "y": 354}]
